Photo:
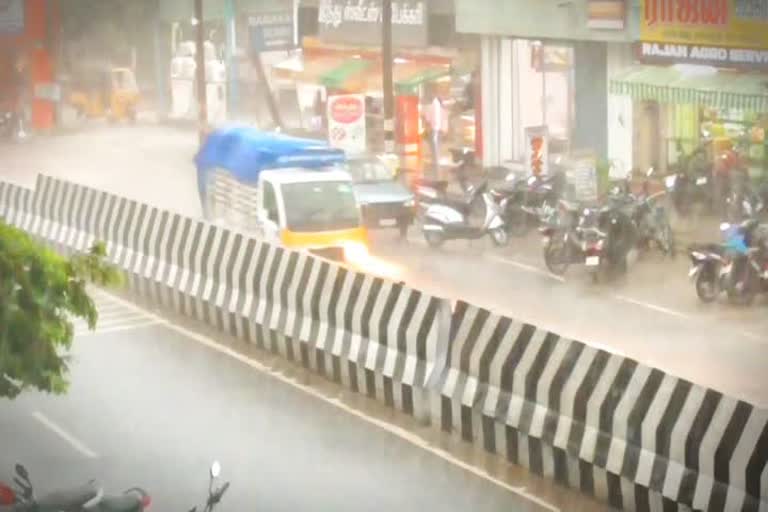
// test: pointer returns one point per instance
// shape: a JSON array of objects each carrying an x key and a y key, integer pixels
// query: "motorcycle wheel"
[
  {"x": 434, "y": 239},
  {"x": 517, "y": 223},
  {"x": 743, "y": 293},
  {"x": 706, "y": 285},
  {"x": 666, "y": 240},
  {"x": 556, "y": 257},
  {"x": 499, "y": 237}
]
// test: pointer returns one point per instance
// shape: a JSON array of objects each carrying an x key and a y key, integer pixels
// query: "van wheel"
[{"x": 434, "y": 239}]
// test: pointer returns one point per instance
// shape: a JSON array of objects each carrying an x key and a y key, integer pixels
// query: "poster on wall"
[
  {"x": 359, "y": 22},
  {"x": 11, "y": 17},
  {"x": 537, "y": 150},
  {"x": 581, "y": 176},
  {"x": 606, "y": 14},
  {"x": 346, "y": 123}
]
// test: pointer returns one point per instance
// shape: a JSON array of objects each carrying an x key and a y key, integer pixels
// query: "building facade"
[{"x": 547, "y": 64}]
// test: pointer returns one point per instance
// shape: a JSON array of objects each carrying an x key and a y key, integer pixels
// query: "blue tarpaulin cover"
[{"x": 245, "y": 152}]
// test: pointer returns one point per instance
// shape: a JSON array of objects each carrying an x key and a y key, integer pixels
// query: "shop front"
[
  {"x": 344, "y": 58},
  {"x": 27, "y": 35},
  {"x": 544, "y": 70},
  {"x": 702, "y": 76}
]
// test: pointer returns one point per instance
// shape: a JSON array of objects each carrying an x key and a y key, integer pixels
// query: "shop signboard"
[
  {"x": 11, "y": 17},
  {"x": 537, "y": 150},
  {"x": 359, "y": 22},
  {"x": 581, "y": 176},
  {"x": 272, "y": 31},
  {"x": 346, "y": 123},
  {"x": 705, "y": 55},
  {"x": 606, "y": 14},
  {"x": 724, "y": 33}
]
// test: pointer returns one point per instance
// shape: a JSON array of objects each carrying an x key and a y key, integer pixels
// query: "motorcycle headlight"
[
  {"x": 670, "y": 181},
  {"x": 410, "y": 203}
]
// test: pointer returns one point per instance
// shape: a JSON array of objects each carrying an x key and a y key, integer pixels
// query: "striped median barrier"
[
  {"x": 628, "y": 434},
  {"x": 375, "y": 337}
]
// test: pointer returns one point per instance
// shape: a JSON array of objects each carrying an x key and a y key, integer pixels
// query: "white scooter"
[{"x": 449, "y": 219}]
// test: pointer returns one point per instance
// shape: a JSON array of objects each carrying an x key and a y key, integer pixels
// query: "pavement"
[
  {"x": 653, "y": 315},
  {"x": 153, "y": 402}
]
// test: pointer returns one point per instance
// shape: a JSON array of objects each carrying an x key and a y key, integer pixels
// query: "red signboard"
[
  {"x": 686, "y": 12},
  {"x": 347, "y": 109}
]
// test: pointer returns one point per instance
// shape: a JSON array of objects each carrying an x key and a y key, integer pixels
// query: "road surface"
[
  {"x": 653, "y": 316},
  {"x": 151, "y": 406}
]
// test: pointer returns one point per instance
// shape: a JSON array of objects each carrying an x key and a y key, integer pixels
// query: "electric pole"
[
  {"x": 387, "y": 80},
  {"x": 202, "y": 97}
]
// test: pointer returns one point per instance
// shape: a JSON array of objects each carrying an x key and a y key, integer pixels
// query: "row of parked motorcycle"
[
  {"x": 90, "y": 497},
  {"x": 600, "y": 235}
]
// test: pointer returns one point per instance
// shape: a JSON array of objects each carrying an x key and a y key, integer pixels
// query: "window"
[
  {"x": 270, "y": 202},
  {"x": 320, "y": 206}
]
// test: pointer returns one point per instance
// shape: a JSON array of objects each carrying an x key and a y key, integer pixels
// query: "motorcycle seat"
[{"x": 68, "y": 499}]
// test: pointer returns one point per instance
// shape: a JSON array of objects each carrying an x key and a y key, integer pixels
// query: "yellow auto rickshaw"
[{"x": 111, "y": 93}]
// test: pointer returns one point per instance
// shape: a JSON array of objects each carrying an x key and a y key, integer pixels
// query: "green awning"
[
  {"x": 338, "y": 77},
  {"x": 723, "y": 89},
  {"x": 411, "y": 83}
]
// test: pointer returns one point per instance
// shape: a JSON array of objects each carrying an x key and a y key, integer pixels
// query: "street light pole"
[
  {"x": 202, "y": 97},
  {"x": 387, "y": 80}
]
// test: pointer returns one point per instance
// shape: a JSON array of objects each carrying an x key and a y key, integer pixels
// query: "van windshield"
[{"x": 320, "y": 206}]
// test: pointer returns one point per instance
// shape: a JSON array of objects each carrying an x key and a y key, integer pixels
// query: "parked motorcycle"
[
  {"x": 591, "y": 236},
  {"x": 85, "y": 498},
  {"x": 692, "y": 180},
  {"x": 451, "y": 219},
  {"x": 746, "y": 274},
  {"x": 530, "y": 201},
  {"x": 709, "y": 268},
  {"x": 214, "y": 494},
  {"x": 652, "y": 224}
]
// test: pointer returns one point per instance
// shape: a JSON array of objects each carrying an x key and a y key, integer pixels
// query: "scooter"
[
  {"x": 709, "y": 268},
  {"x": 86, "y": 498},
  {"x": 449, "y": 219},
  {"x": 214, "y": 495}
]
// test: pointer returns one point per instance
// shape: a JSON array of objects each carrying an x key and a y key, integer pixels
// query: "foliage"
[{"x": 40, "y": 293}]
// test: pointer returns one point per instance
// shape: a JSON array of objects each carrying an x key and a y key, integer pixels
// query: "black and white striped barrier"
[
  {"x": 626, "y": 433},
  {"x": 375, "y": 337}
]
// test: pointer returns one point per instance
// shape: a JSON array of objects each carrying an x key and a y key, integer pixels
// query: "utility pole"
[
  {"x": 387, "y": 80},
  {"x": 202, "y": 97}
]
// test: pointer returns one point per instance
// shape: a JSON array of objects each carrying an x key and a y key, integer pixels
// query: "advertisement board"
[
  {"x": 359, "y": 22},
  {"x": 346, "y": 123},
  {"x": 719, "y": 24},
  {"x": 11, "y": 17},
  {"x": 537, "y": 150},
  {"x": 272, "y": 31},
  {"x": 606, "y": 14}
]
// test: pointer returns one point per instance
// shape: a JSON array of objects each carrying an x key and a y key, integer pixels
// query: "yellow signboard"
[{"x": 720, "y": 23}]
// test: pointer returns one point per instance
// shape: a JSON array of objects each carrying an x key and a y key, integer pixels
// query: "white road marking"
[
  {"x": 653, "y": 307},
  {"x": 66, "y": 436},
  {"x": 392, "y": 429},
  {"x": 526, "y": 267},
  {"x": 118, "y": 328}
]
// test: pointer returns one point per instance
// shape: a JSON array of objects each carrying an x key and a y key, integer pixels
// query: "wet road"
[
  {"x": 653, "y": 316},
  {"x": 150, "y": 406}
]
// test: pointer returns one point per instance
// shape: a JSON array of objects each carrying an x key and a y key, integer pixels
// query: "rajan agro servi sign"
[
  {"x": 359, "y": 22},
  {"x": 727, "y": 33}
]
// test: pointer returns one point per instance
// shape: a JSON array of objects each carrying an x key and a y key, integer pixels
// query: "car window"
[
  {"x": 363, "y": 171},
  {"x": 270, "y": 202}
]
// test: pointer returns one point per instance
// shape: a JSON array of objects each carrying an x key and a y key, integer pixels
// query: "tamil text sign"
[
  {"x": 706, "y": 23},
  {"x": 359, "y": 22}
]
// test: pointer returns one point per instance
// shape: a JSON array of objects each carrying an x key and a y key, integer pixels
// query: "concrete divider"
[
  {"x": 375, "y": 337},
  {"x": 606, "y": 425}
]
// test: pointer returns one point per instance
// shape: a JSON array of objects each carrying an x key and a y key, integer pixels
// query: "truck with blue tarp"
[{"x": 287, "y": 190}]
